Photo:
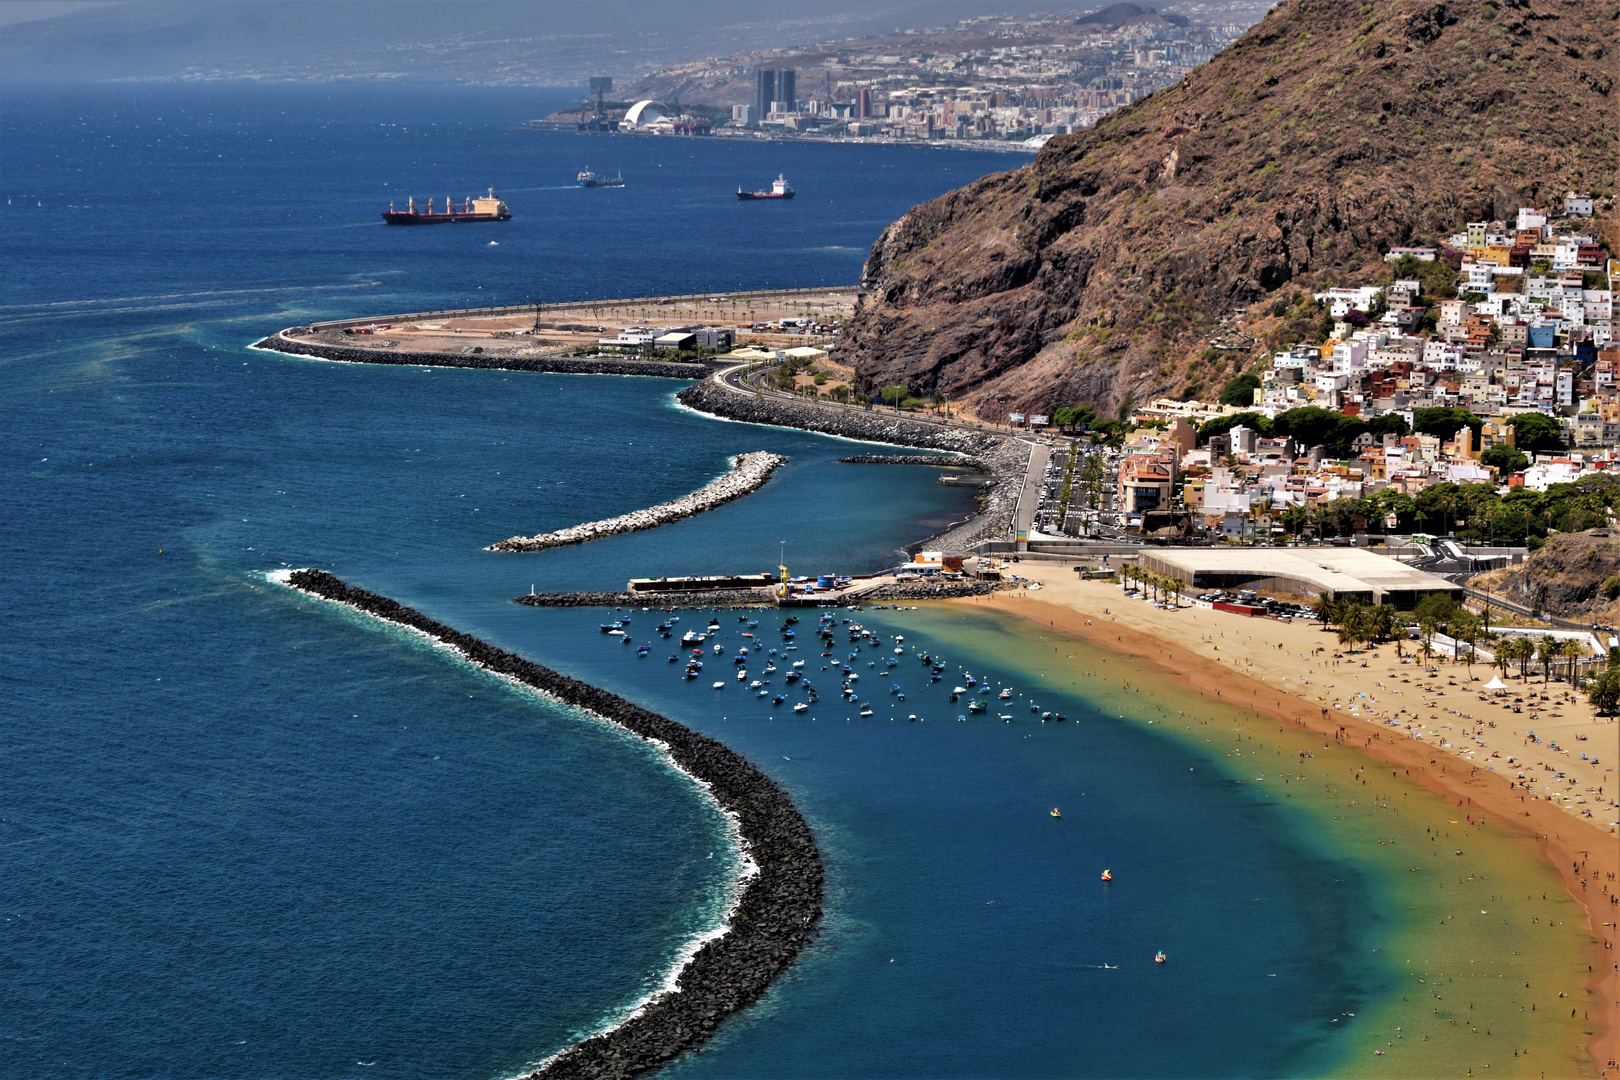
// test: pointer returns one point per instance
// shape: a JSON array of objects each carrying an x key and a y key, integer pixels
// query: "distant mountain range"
[
  {"x": 1329, "y": 132},
  {"x": 494, "y": 42}
]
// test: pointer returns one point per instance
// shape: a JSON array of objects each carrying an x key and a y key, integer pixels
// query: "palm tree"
[
  {"x": 1547, "y": 650},
  {"x": 1572, "y": 652},
  {"x": 1327, "y": 608},
  {"x": 1464, "y": 626},
  {"x": 1524, "y": 651}
]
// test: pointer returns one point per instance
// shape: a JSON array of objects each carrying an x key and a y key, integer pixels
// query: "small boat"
[
  {"x": 1034, "y": 707},
  {"x": 866, "y": 710},
  {"x": 976, "y": 706},
  {"x": 718, "y": 648},
  {"x": 770, "y": 668},
  {"x": 801, "y": 707},
  {"x": 1006, "y": 718},
  {"x": 692, "y": 637},
  {"x": 615, "y": 632},
  {"x": 792, "y": 676},
  {"x": 672, "y": 659},
  {"x": 958, "y": 689},
  {"x": 854, "y": 676},
  {"x": 1158, "y": 957},
  {"x": 954, "y": 698},
  {"x": 899, "y": 652},
  {"x": 742, "y": 676},
  {"x": 960, "y": 718},
  {"x": 1006, "y": 695},
  {"x": 719, "y": 686},
  {"x": 971, "y": 681},
  {"x": 912, "y": 717},
  {"x": 608, "y": 628},
  {"x": 778, "y": 699},
  {"x": 1045, "y": 716},
  {"x": 1056, "y": 812},
  {"x": 798, "y": 663},
  {"x": 1108, "y": 875},
  {"x": 755, "y": 685},
  {"x": 763, "y": 693}
]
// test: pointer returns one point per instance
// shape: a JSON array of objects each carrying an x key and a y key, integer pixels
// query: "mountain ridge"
[{"x": 1327, "y": 133}]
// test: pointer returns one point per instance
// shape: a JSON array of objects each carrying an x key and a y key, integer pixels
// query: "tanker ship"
[
  {"x": 488, "y": 208},
  {"x": 590, "y": 179},
  {"x": 780, "y": 189}
]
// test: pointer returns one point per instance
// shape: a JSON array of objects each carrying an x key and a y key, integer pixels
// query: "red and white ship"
[{"x": 781, "y": 189}]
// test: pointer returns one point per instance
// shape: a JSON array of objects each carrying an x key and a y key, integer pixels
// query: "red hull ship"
[
  {"x": 780, "y": 189},
  {"x": 488, "y": 208}
]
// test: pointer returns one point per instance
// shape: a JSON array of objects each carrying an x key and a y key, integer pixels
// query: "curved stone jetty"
[
  {"x": 749, "y": 473},
  {"x": 775, "y": 914}
]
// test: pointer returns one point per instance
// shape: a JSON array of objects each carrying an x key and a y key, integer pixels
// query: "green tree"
[
  {"x": 1240, "y": 391},
  {"x": 893, "y": 395},
  {"x": 1547, "y": 650},
  {"x": 1604, "y": 691},
  {"x": 1444, "y": 423},
  {"x": 1464, "y": 627},
  {"x": 1536, "y": 433},
  {"x": 1505, "y": 458},
  {"x": 1220, "y": 425}
]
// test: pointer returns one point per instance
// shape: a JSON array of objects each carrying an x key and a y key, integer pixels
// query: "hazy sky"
[{"x": 16, "y": 11}]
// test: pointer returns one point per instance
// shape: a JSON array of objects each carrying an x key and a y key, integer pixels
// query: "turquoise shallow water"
[{"x": 243, "y": 833}]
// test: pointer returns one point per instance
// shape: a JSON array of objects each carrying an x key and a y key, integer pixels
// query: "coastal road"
[{"x": 1029, "y": 499}]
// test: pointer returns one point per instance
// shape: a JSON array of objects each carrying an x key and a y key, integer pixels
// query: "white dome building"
[{"x": 643, "y": 114}]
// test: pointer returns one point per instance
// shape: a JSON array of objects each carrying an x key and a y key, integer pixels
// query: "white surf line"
[
  {"x": 747, "y": 868},
  {"x": 749, "y": 472}
]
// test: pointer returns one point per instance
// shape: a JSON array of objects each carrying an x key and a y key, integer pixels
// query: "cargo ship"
[
  {"x": 590, "y": 179},
  {"x": 780, "y": 189},
  {"x": 488, "y": 208}
]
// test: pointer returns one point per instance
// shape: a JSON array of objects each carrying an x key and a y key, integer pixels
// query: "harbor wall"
[
  {"x": 558, "y": 365},
  {"x": 713, "y": 598},
  {"x": 937, "y": 461},
  {"x": 850, "y": 423},
  {"x": 775, "y": 914}
]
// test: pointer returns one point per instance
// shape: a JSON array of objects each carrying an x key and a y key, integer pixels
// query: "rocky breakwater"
[
  {"x": 929, "y": 590},
  {"x": 556, "y": 365},
  {"x": 851, "y": 423},
  {"x": 749, "y": 473},
  {"x": 774, "y": 915},
  {"x": 1003, "y": 458},
  {"x": 938, "y": 461},
  {"x": 715, "y": 598}
]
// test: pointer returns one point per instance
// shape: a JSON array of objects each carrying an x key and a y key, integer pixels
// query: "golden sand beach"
[{"x": 1463, "y": 744}]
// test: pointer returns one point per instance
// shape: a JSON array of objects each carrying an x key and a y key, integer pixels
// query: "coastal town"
[
  {"x": 1485, "y": 365},
  {"x": 988, "y": 80}
]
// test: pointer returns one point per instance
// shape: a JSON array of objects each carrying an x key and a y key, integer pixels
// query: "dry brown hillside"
[{"x": 1328, "y": 132}]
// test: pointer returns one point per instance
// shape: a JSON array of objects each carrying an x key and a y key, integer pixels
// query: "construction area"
[
  {"x": 1300, "y": 571},
  {"x": 711, "y": 323}
]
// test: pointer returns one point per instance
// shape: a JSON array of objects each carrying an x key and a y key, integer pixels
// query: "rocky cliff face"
[
  {"x": 1329, "y": 132},
  {"x": 1574, "y": 576}
]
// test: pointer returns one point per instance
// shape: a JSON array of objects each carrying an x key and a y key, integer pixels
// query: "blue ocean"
[{"x": 245, "y": 833}]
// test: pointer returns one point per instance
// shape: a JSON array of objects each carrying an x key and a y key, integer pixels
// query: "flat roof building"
[{"x": 1356, "y": 572}]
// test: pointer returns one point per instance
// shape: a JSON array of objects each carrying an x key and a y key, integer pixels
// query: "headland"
[{"x": 775, "y": 914}]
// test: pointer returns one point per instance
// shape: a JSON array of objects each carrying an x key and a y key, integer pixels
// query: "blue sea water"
[{"x": 247, "y": 834}]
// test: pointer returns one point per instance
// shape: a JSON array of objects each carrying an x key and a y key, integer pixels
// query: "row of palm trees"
[
  {"x": 1546, "y": 651},
  {"x": 1153, "y": 581},
  {"x": 1360, "y": 623}
]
